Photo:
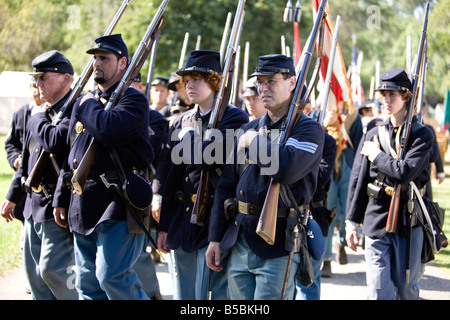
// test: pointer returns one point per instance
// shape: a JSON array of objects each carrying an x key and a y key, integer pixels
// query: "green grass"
[
  {"x": 10, "y": 233},
  {"x": 441, "y": 194}
]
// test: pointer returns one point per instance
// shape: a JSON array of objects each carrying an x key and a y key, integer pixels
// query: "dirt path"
[{"x": 348, "y": 282}]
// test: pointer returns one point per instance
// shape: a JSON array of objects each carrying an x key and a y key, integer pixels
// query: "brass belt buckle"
[
  {"x": 38, "y": 189},
  {"x": 243, "y": 207}
]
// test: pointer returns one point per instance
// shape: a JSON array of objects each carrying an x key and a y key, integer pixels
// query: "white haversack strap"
[{"x": 425, "y": 212}]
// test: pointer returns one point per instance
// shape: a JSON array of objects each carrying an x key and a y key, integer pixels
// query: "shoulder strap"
[
  {"x": 383, "y": 134},
  {"x": 425, "y": 212}
]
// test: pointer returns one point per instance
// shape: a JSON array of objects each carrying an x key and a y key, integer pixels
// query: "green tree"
[
  {"x": 28, "y": 30},
  {"x": 30, "y": 27}
]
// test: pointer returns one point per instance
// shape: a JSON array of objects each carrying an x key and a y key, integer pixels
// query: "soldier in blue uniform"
[
  {"x": 252, "y": 100},
  {"x": 257, "y": 269},
  {"x": 15, "y": 137},
  {"x": 106, "y": 247},
  {"x": 321, "y": 214},
  {"x": 377, "y": 169},
  {"x": 145, "y": 266},
  {"x": 159, "y": 94},
  {"x": 48, "y": 248},
  {"x": 188, "y": 241},
  {"x": 347, "y": 130}
]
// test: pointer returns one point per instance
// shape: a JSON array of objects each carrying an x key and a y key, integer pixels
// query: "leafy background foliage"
[{"x": 30, "y": 27}]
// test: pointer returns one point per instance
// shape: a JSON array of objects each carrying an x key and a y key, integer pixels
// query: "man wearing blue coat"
[
  {"x": 105, "y": 248},
  {"x": 48, "y": 248},
  {"x": 257, "y": 268},
  {"x": 393, "y": 256},
  {"x": 202, "y": 78}
]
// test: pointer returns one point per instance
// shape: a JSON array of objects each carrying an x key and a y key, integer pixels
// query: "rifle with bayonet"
[
  {"x": 422, "y": 88},
  {"x": 181, "y": 62},
  {"x": 298, "y": 228},
  {"x": 199, "y": 211},
  {"x": 151, "y": 66},
  {"x": 268, "y": 219},
  {"x": 392, "y": 220},
  {"x": 80, "y": 174},
  {"x": 34, "y": 179}
]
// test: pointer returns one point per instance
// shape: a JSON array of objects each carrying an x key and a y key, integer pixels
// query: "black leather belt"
[
  {"x": 248, "y": 208},
  {"x": 186, "y": 196}
]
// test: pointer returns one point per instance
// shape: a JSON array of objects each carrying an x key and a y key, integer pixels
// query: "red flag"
[
  {"x": 298, "y": 48},
  {"x": 340, "y": 89}
]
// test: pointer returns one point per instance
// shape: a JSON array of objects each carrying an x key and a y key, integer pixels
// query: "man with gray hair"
[{"x": 48, "y": 248}]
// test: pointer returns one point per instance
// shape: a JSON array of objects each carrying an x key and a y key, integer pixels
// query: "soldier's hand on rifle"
[
  {"x": 188, "y": 121},
  {"x": 162, "y": 242},
  {"x": 246, "y": 139},
  {"x": 87, "y": 96},
  {"x": 371, "y": 148},
  {"x": 60, "y": 217},
  {"x": 213, "y": 256},
  {"x": 7, "y": 210}
]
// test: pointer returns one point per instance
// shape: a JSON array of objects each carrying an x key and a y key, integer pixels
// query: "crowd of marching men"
[{"x": 122, "y": 168}]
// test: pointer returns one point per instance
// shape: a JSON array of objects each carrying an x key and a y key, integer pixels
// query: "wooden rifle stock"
[
  {"x": 391, "y": 224},
  {"x": 392, "y": 219},
  {"x": 199, "y": 211},
  {"x": 81, "y": 173},
  {"x": 267, "y": 223},
  {"x": 34, "y": 178},
  {"x": 267, "y": 220}
]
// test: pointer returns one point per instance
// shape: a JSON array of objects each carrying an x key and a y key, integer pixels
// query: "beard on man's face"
[{"x": 99, "y": 80}]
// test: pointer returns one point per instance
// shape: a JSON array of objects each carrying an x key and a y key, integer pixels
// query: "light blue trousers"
[
  {"x": 146, "y": 270},
  {"x": 191, "y": 275},
  {"x": 337, "y": 197},
  {"x": 49, "y": 259},
  {"x": 105, "y": 260},
  {"x": 254, "y": 278},
  {"x": 386, "y": 266}
]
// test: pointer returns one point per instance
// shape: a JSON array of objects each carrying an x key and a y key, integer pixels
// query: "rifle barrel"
[
  {"x": 267, "y": 220},
  {"x": 198, "y": 215},
  {"x": 80, "y": 174},
  {"x": 391, "y": 223},
  {"x": 227, "y": 66},
  {"x": 33, "y": 180}
]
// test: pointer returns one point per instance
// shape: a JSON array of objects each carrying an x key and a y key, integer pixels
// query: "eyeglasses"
[
  {"x": 389, "y": 95},
  {"x": 269, "y": 83},
  {"x": 44, "y": 78}
]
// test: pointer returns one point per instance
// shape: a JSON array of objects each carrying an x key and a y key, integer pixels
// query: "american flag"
[{"x": 340, "y": 89}]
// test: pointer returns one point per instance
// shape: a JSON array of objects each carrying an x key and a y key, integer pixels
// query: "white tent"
[{"x": 14, "y": 93}]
